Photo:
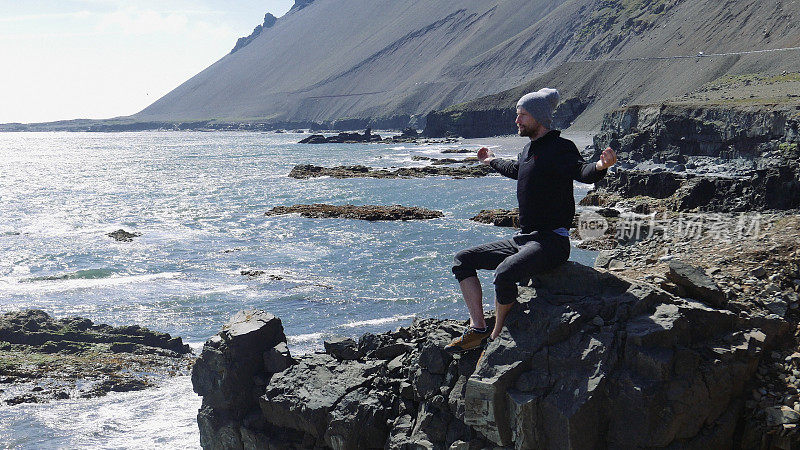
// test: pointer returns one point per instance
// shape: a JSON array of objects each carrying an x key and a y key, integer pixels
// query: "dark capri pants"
[{"x": 514, "y": 259}]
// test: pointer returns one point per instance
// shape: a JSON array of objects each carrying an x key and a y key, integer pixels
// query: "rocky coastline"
[
  {"x": 705, "y": 158},
  {"x": 394, "y": 122},
  {"x": 680, "y": 337},
  {"x": 578, "y": 366},
  {"x": 408, "y": 135},
  {"x": 305, "y": 171},
  {"x": 44, "y": 359}
]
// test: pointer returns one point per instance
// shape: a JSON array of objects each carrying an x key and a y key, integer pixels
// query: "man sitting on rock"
[{"x": 544, "y": 172}]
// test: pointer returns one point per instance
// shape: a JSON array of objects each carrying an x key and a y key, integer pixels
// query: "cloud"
[{"x": 148, "y": 21}]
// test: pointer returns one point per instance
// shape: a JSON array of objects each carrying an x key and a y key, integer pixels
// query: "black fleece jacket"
[{"x": 544, "y": 172}]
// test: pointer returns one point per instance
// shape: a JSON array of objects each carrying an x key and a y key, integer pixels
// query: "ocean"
[{"x": 198, "y": 199}]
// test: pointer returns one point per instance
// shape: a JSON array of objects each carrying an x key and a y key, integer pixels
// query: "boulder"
[
  {"x": 228, "y": 371},
  {"x": 303, "y": 396},
  {"x": 277, "y": 358},
  {"x": 498, "y": 217},
  {"x": 552, "y": 377},
  {"x": 696, "y": 283},
  {"x": 342, "y": 348}
]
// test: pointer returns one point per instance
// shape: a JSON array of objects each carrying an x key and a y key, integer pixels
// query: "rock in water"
[
  {"x": 498, "y": 217},
  {"x": 305, "y": 171},
  {"x": 366, "y": 212},
  {"x": 43, "y": 359},
  {"x": 341, "y": 138},
  {"x": 123, "y": 236}
]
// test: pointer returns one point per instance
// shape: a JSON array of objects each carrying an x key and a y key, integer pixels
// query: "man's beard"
[{"x": 524, "y": 132}]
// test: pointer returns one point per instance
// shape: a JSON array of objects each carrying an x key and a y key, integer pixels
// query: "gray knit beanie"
[{"x": 540, "y": 105}]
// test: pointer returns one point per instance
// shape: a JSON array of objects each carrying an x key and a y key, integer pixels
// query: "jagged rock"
[
  {"x": 750, "y": 155},
  {"x": 123, "y": 236},
  {"x": 758, "y": 272},
  {"x": 675, "y": 132},
  {"x": 779, "y": 415},
  {"x": 277, "y": 358},
  {"x": 305, "y": 171},
  {"x": 608, "y": 212},
  {"x": 269, "y": 21},
  {"x": 366, "y": 212},
  {"x": 604, "y": 258},
  {"x": 483, "y": 122},
  {"x": 360, "y": 420},
  {"x": 586, "y": 364},
  {"x": 772, "y": 188},
  {"x": 434, "y": 358},
  {"x": 499, "y": 217},
  {"x": 325, "y": 381},
  {"x": 548, "y": 381},
  {"x": 299, "y": 4},
  {"x": 409, "y": 133},
  {"x": 342, "y": 348},
  {"x": 224, "y": 373},
  {"x": 696, "y": 283},
  {"x": 560, "y": 281}
]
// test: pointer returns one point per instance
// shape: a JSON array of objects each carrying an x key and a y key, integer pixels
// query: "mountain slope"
[
  {"x": 340, "y": 58},
  {"x": 332, "y": 59}
]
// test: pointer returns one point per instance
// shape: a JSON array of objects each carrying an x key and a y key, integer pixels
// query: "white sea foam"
[
  {"x": 163, "y": 417},
  {"x": 14, "y": 286},
  {"x": 225, "y": 289},
  {"x": 304, "y": 338},
  {"x": 381, "y": 321}
]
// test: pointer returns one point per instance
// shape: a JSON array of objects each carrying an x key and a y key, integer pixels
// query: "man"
[{"x": 544, "y": 172}]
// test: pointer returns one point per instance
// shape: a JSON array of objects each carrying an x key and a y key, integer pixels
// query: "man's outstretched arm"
[
  {"x": 504, "y": 167},
  {"x": 593, "y": 172}
]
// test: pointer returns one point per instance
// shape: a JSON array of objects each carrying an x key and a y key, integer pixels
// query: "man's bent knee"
[
  {"x": 505, "y": 290},
  {"x": 462, "y": 269}
]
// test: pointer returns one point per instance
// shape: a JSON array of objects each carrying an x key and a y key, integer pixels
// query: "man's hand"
[
  {"x": 607, "y": 159},
  {"x": 485, "y": 155}
]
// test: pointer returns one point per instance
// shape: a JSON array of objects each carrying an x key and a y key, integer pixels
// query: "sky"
[{"x": 96, "y": 59}]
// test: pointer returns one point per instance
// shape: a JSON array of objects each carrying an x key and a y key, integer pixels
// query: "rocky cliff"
[
  {"x": 609, "y": 362},
  {"x": 269, "y": 21},
  {"x": 473, "y": 123},
  {"x": 707, "y": 157}
]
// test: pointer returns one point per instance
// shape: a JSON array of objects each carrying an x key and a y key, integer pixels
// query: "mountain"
[
  {"x": 734, "y": 52},
  {"x": 335, "y": 59},
  {"x": 357, "y": 58}
]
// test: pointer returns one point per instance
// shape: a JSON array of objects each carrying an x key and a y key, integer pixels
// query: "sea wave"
[
  {"x": 380, "y": 321},
  {"x": 87, "y": 274},
  {"x": 86, "y": 279}
]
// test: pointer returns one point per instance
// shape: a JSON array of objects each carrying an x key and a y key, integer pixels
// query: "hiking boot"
[{"x": 471, "y": 338}]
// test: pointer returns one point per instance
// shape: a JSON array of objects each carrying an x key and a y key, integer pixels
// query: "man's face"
[{"x": 526, "y": 124}]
